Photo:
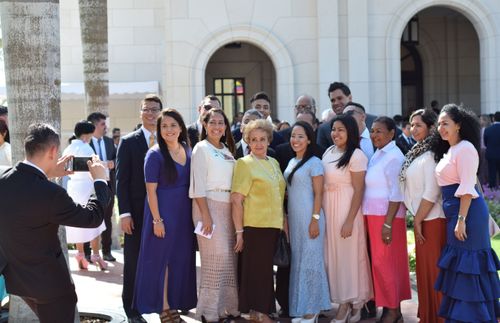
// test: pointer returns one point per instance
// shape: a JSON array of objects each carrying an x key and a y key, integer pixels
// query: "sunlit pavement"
[{"x": 100, "y": 292}]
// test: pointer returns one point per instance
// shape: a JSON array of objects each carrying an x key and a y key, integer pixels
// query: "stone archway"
[
  {"x": 260, "y": 38},
  {"x": 478, "y": 15}
]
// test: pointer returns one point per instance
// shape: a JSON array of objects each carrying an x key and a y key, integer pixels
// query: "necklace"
[
  {"x": 176, "y": 151},
  {"x": 274, "y": 175}
]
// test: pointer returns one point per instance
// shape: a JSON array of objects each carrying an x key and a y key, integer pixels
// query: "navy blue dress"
[{"x": 176, "y": 251}]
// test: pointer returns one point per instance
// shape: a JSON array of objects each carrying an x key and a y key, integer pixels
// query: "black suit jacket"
[
  {"x": 492, "y": 141},
  {"x": 32, "y": 208},
  {"x": 110, "y": 155},
  {"x": 130, "y": 185},
  {"x": 193, "y": 134},
  {"x": 239, "y": 151},
  {"x": 284, "y": 153},
  {"x": 402, "y": 144}
]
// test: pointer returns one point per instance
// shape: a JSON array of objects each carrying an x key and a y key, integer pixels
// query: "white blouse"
[
  {"x": 5, "y": 155},
  {"x": 421, "y": 184},
  {"x": 382, "y": 181},
  {"x": 211, "y": 172}
]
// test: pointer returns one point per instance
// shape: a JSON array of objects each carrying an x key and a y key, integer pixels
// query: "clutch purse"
[{"x": 283, "y": 253}]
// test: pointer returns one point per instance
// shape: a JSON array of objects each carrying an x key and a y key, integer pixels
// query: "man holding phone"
[
  {"x": 104, "y": 147},
  {"x": 32, "y": 209}
]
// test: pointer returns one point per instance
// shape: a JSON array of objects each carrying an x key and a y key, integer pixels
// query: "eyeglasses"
[
  {"x": 147, "y": 110},
  {"x": 304, "y": 107}
]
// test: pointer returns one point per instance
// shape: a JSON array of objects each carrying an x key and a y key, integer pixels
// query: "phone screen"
[{"x": 80, "y": 164}]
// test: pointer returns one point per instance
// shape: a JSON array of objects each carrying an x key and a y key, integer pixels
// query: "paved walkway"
[{"x": 100, "y": 292}]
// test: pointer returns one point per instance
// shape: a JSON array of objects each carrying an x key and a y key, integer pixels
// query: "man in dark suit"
[
  {"x": 404, "y": 141},
  {"x": 242, "y": 148},
  {"x": 131, "y": 193},
  {"x": 194, "y": 130},
  {"x": 304, "y": 103},
  {"x": 492, "y": 143},
  {"x": 262, "y": 103},
  {"x": 104, "y": 147},
  {"x": 339, "y": 95},
  {"x": 32, "y": 208}
]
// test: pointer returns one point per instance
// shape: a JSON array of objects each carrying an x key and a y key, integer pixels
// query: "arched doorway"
[
  {"x": 441, "y": 62},
  {"x": 235, "y": 72}
]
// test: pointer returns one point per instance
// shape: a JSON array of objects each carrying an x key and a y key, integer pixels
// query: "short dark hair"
[
  {"x": 83, "y": 127},
  {"x": 115, "y": 129},
  {"x": 496, "y": 117},
  {"x": 153, "y": 98},
  {"x": 405, "y": 123},
  {"x": 398, "y": 119},
  {"x": 434, "y": 104},
  {"x": 388, "y": 122},
  {"x": 40, "y": 138},
  {"x": 260, "y": 96},
  {"x": 95, "y": 117},
  {"x": 3, "y": 110},
  {"x": 357, "y": 105},
  {"x": 339, "y": 86},
  {"x": 212, "y": 97}
]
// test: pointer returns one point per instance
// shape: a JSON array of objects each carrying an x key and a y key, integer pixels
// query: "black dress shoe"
[
  {"x": 109, "y": 257},
  {"x": 369, "y": 310}
]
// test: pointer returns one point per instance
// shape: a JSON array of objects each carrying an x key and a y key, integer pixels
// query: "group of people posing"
[{"x": 342, "y": 210}]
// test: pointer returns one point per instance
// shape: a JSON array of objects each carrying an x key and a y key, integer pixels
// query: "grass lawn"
[{"x": 495, "y": 244}]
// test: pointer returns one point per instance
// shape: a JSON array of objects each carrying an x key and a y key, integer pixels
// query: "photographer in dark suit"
[{"x": 32, "y": 208}]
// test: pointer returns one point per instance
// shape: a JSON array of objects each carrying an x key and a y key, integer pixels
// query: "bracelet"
[
  {"x": 239, "y": 231},
  {"x": 387, "y": 226},
  {"x": 155, "y": 221},
  {"x": 461, "y": 218}
]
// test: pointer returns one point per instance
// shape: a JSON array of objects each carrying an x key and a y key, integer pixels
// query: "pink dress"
[{"x": 346, "y": 260}]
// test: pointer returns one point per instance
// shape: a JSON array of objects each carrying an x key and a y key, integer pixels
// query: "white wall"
[{"x": 310, "y": 43}]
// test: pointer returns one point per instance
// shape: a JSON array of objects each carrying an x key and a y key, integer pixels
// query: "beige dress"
[{"x": 346, "y": 260}]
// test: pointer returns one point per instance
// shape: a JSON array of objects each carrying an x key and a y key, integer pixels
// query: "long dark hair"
[
  {"x": 437, "y": 145},
  {"x": 470, "y": 128},
  {"x": 171, "y": 170},
  {"x": 227, "y": 138},
  {"x": 352, "y": 138},
  {"x": 311, "y": 147}
]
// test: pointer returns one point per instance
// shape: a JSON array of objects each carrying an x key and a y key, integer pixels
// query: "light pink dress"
[{"x": 346, "y": 260}]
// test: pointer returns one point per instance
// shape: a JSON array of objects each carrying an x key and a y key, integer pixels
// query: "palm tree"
[
  {"x": 31, "y": 45},
  {"x": 94, "y": 34}
]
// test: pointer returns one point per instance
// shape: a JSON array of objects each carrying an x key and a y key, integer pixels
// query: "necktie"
[
  {"x": 100, "y": 148},
  {"x": 151, "y": 140},
  {"x": 247, "y": 151}
]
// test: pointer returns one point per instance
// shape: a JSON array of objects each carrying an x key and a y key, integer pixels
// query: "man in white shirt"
[
  {"x": 104, "y": 147},
  {"x": 357, "y": 111}
]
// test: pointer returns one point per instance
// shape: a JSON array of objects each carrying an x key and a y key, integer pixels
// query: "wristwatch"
[
  {"x": 461, "y": 218},
  {"x": 315, "y": 216}
]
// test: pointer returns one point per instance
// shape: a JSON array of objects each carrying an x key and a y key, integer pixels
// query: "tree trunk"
[
  {"x": 31, "y": 44},
  {"x": 94, "y": 33}
]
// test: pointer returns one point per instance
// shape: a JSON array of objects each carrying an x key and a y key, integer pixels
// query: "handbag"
[{"x": 283, "y": 253}]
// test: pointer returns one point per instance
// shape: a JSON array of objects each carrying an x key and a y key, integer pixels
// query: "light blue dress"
[
  {"x": 309, "y": 292},
  {"x": 3, "y": 292}
]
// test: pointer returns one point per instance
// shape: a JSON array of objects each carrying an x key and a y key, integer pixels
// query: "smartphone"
[{"x": 78, "y": 164}]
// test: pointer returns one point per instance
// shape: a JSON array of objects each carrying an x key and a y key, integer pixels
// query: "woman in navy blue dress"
[
  {"x": 468, "y": 275},
  {"x": 166, "y": 268}
]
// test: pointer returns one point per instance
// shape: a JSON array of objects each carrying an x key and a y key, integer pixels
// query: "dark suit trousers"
[
  {"x": 60, "y": 310},
  {"x": 493, "y": 172},
  {"x": 131, "y": 248}
]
